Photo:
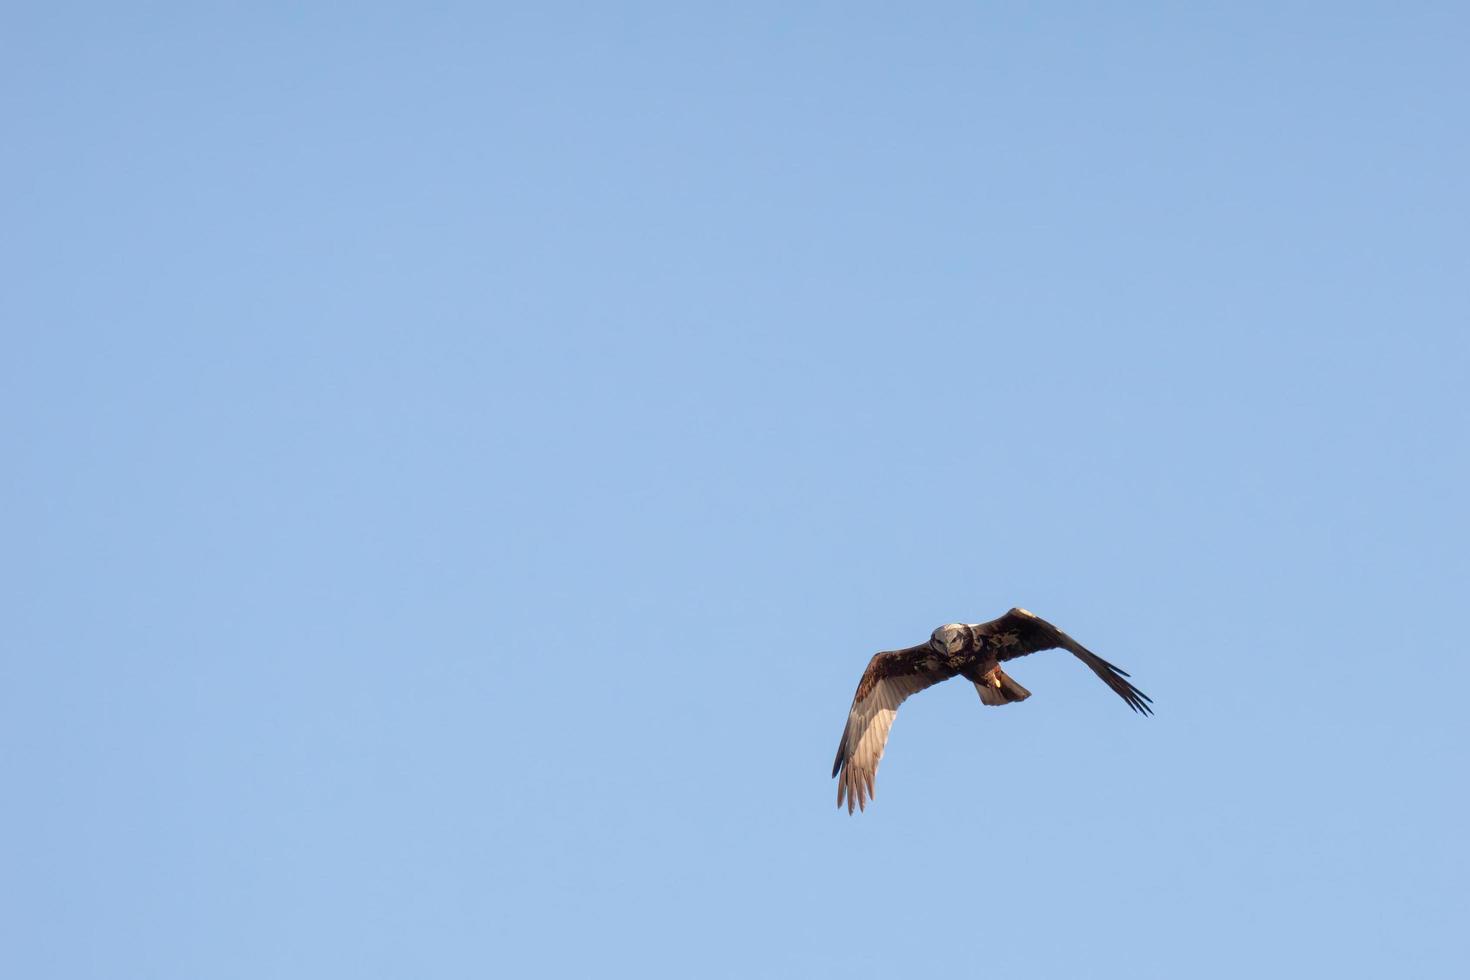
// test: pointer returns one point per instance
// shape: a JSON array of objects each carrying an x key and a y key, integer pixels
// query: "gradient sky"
[{"x": 462, "y": 456}]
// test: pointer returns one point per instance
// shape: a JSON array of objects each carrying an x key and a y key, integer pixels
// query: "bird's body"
[{"x": 974, "y": 651}]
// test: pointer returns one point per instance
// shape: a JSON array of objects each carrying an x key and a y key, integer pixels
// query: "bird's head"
[{"x": 950, "y": 638}]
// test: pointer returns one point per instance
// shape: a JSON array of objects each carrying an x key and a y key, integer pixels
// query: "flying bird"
[{"x": 975, "y": 652}]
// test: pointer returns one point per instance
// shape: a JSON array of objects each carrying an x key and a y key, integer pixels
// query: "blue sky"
[{"x": 461, "y": 458}]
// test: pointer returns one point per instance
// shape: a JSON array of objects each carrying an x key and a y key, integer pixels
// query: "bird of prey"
[{"x": 975, "y": 652}]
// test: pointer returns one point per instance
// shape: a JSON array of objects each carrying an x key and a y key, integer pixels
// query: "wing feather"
[
  {"x": 890, "y": 678},
  {"x": 1019, "y": 633}
]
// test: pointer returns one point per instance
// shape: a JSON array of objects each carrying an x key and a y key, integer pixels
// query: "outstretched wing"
[
  {"x": 890, "y": 678},
  {"x": 1019, "y": 632}
]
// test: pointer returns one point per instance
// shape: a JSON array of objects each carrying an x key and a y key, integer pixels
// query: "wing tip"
[
  {"x": 1117, "y": 679},
  {"x": 855, "y": 790}
]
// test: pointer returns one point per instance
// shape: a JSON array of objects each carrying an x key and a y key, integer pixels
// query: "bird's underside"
[{"x": 974, "y": 651}]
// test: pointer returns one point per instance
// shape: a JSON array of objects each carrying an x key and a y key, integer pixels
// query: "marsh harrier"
[{"x": 973, "y": 651}]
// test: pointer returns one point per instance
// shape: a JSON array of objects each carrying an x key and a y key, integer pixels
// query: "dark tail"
[{"x": 997, "y": 687}]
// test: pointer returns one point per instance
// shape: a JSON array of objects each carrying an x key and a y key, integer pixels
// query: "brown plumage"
[{"x": 974, "y": 651}]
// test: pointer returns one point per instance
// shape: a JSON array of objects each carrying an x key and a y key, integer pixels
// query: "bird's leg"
[{"x": 991, "y": 674}]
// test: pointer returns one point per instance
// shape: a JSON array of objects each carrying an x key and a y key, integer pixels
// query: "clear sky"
[{"x": 460, "y": 457}]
